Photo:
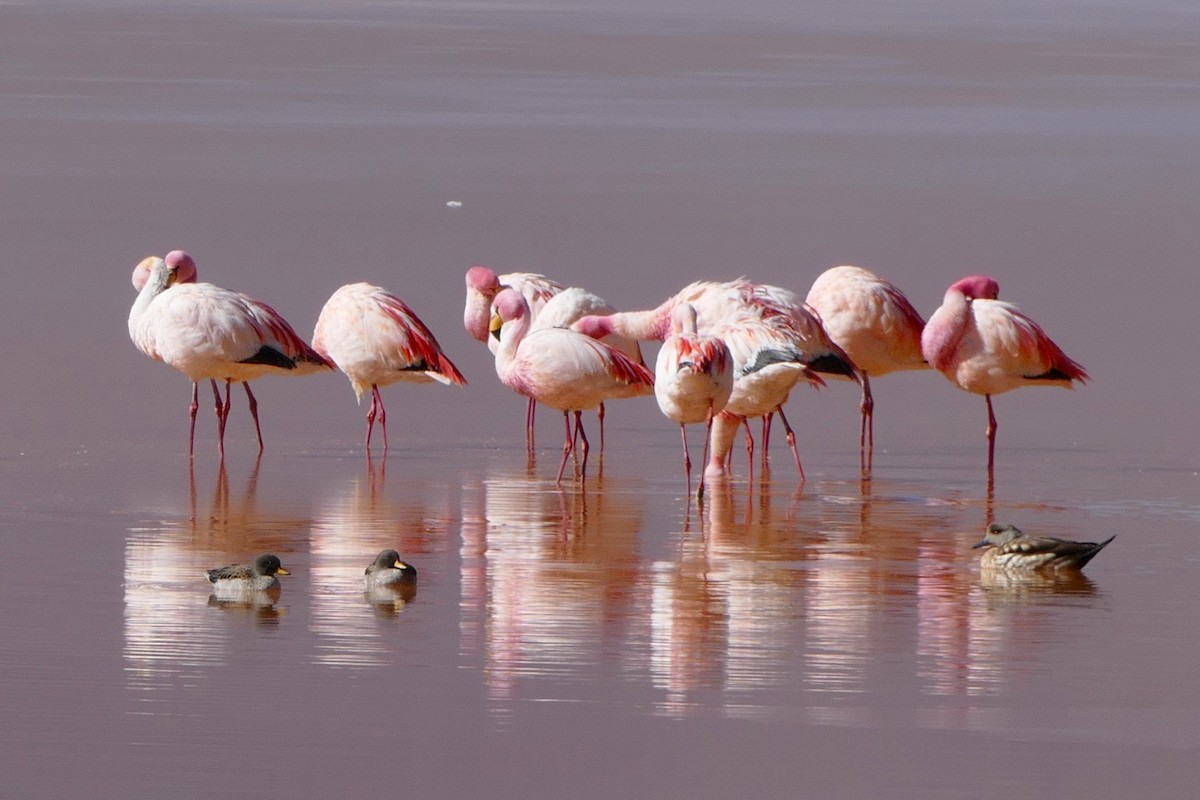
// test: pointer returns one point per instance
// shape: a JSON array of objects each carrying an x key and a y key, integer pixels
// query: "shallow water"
[{"x": 609, "y": 638}]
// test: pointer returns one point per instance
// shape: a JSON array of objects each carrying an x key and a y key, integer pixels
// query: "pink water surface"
[{"x": 612, "y": 638}]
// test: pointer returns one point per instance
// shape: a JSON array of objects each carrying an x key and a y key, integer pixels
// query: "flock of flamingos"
[{"x": 730, "y": 351}]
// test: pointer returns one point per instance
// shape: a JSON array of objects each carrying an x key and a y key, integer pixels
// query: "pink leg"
[
  {"x": 568, "y": 446},
  {"x": 192, "y": 409},
  {"x": 529, "y": 425},
  {"x": 377, "y": 401},
  {"x": 866, "y": 434},
  {"x": 991, "y": 434},
  {"x": 371, "y": 412},
  {"x": 254, "y": 413},
  {"x": 687, "y": 461},
  {"x": 600, "y": 415},
  {"x": 222, "y": 415},
  {"x": 704, "y": 460},
  {"x": 766, "y": 438},
  {"x": 791, "y": 440},
  {"x": 749, "y": 452},
  {"x": 583, "y": 441}
]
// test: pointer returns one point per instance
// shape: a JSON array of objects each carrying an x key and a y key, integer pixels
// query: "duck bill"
[
  {"x": 282, "y": 571},
  {"x": 984, "y": 543}
]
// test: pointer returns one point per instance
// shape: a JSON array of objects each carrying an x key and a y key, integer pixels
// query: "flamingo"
[
  {"x": 693, "y": 379},
  {"x": 560, "y": 311},
  {"x": 483, "y": 284},
  {"x": 715, "y": 304},
  {"x": 551, "y": 305},
  {"x": 986, "y": 346},
  {"x": 768, "y": 361},
  {"x": 560, "y": 368},
  {"x": 376, "y": 340},
  {"x": 210, "y": 333},
  {"x": 876, "y": 325}
]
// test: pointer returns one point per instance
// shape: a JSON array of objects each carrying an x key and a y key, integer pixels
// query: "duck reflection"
[
  {"x": 350, "y": 528},
  {"x": 169, "y": 638}
]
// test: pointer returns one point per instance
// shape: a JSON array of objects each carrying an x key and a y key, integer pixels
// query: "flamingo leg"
[
  {"x": 866, "y": 434},
  {"x": 749, "y": 451},
  {"x": 371, "y": 412},
  {"x": 687, "y": 461},
  {"x": 254, "y": 413},
  {"x": 766, "y": 437},
  {"x": 991, "y": 434},
  {"x": 600, "y": 416},
  {"x": 568, "y": 446},
  {"x": 529, "y": 425},
  {"x": 192, "y": 409},
  {"x": 583, "y": 441},
  {"x": 377, "y": 400},
  {"x": 704, "y": 460},
  {"x": 791, "y": 440},
  {"x": 222, "y": 415}
]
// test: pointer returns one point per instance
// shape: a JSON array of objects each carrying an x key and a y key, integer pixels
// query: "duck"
[
  {"x": 388, "y": 570},
  {"x": 1008, "y": 548},
  {"x": 246, "y": 579}
]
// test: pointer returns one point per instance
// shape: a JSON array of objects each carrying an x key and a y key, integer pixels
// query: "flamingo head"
[
  {"x": 182, "y": 265},
  {"x": 977, "y": 287},
  {"x": 596, "y": 326},
  {"x": 483, "y": 280},
  {"x": 508, "y": 306},
  {"x": 141, "y": 273},
  {"x": 683, "y": 320}
]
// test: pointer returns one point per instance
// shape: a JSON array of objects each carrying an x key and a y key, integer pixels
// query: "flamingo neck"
[
  {"x": 511, "y": 336},
  {"x": 945, "y": 329},
  {"x": 476, "y": 315}
]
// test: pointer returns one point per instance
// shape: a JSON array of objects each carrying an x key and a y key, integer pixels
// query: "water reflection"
[
  {"x": 760, "y": 592},
  {"x": 552, "y": 575},
  {"x": 350, "y": 528},
  {"x": 169, "y": 635}
]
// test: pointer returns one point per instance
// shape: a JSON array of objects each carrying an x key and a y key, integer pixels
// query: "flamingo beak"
[{"x": 495, "y": 325}]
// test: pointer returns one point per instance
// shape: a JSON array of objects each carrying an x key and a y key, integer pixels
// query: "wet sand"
[{"x": 834, "y": 640}]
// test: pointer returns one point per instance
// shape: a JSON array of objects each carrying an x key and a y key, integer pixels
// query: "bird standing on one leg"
[
  {"x": 986, "y": 346},
  {"x": 377, "y": 340},
  {"x": 693, "y": 379},
  {"x": 878, "y": 328}
]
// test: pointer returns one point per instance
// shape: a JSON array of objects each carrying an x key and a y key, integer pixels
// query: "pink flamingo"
[
  {"x": 210, "y": 333},
  {"x": 551, "y": 305},
  {"x": 876, "y": 325},
  {"x": 693, "y": 379},
  {"x": 718, "y": 302},
  {"x": 561, "y": 368},
  {"x": 377, "y": 340},
  {"x": 768, "y": 361},
  {"x": 483, "y": 284},
  {"x": 986, "y": 346}
]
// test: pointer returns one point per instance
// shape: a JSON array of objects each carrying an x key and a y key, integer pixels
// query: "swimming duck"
[
  {"x": 241, "y": 579},
  {"x": 1008, "y": 548},
  {"x": 388, "y": 570}
]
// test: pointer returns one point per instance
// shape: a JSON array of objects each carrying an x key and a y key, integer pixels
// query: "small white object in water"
[{"x": 454, "y": 204}]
